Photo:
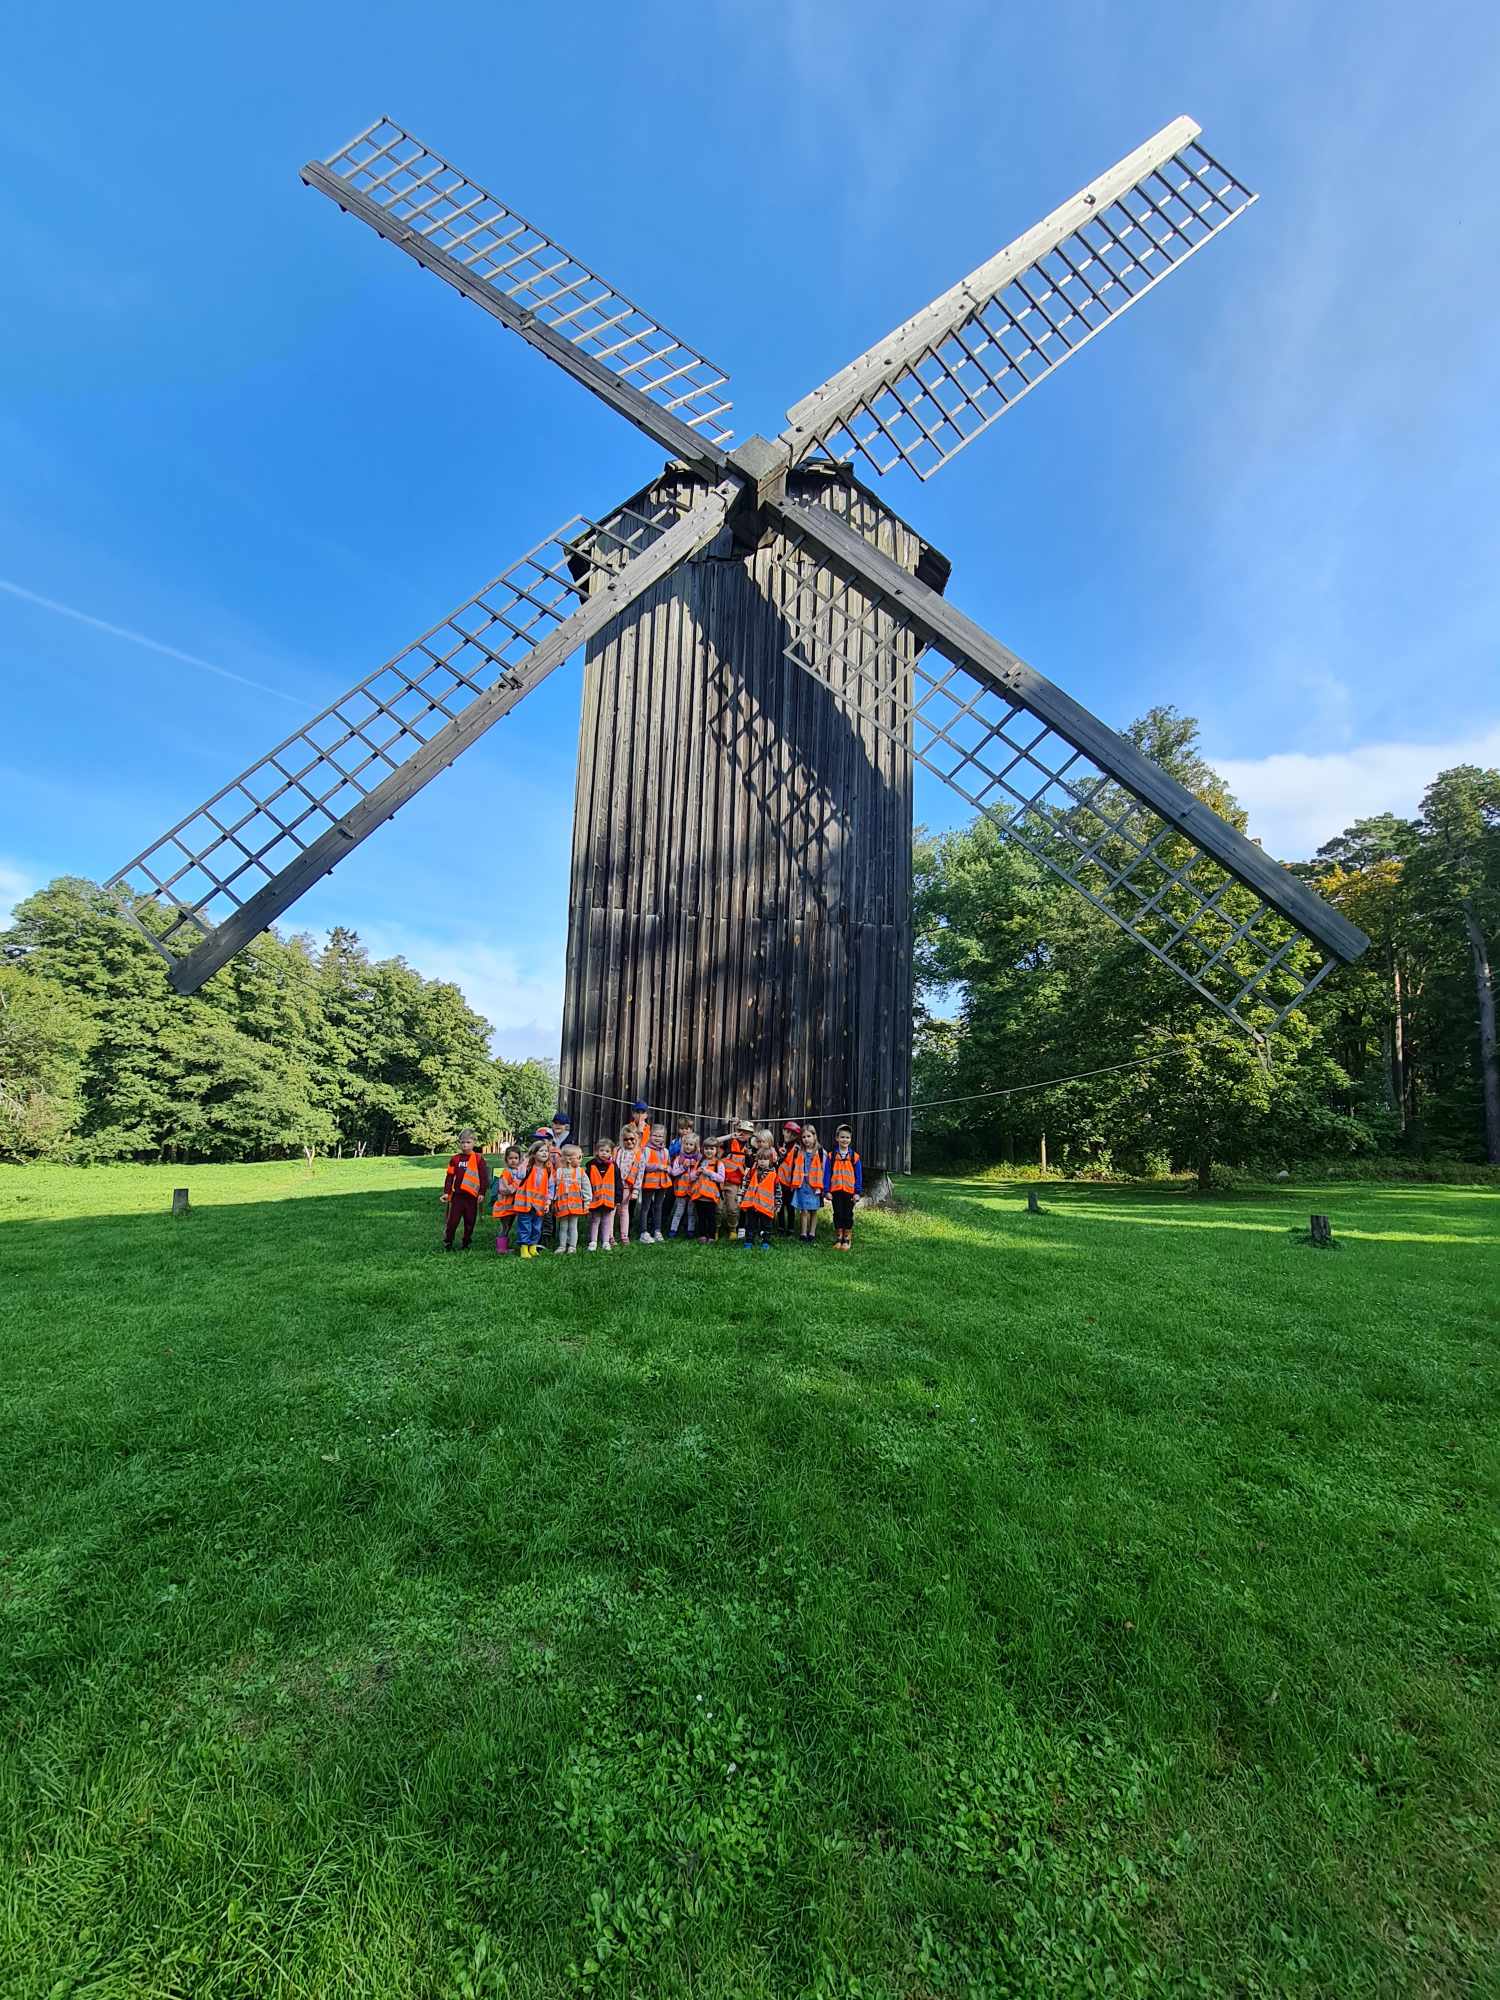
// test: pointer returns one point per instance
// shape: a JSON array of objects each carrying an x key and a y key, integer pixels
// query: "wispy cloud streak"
[{"x": 141, "y": 639}]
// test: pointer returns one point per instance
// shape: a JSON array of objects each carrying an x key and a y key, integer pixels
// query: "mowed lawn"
[{"x": 1103, "y": 1601}]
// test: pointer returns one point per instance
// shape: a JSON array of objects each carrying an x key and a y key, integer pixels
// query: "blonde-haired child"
[
  {"x": 759, "y": 1192},
  {"x": 604, "y": 1195},
  {"x": 807, "y": 1189},
  {"x": 533, "y": 1197},
  {"x": 684, "y": 1172},
  {"x": 570, "y": 1198},
  {"x": 628, "y": 1160}
]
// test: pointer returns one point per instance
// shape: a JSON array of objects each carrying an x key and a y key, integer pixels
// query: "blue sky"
[{"x": 247, "y": 451}]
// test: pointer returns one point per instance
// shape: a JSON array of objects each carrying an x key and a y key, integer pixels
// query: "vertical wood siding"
[{"x": 739, "y": 934}]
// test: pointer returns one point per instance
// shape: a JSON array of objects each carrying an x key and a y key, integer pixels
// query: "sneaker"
[
  {"x": 560, "y": 1251},
  {"x": 593, "y": 1246},
  {"x": 572, "y": 1249},
  {"x": 607, "y": 1246},
  {"x": 765, "y": 1246}
]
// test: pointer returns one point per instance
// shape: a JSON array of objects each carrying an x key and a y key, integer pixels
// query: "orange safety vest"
[
  {"x": 705, "y": 1185},
  {"x": 570, "y": 1198},
  {"x": 734, "y": 1162},
  {"x": 810, "y": 1174},
  {"x": 505, "y": 1195},
  {"x": 470, "y": 1181},
  {"x": 605, "y": 1182},
  {"x": 531, "y": 1195},
  {"x": 841, "y": 1179},
  {"x": 789, "y": 1173},
  {"x": 759, "y": 1192},
  {"x": 657, "y": 1173}
]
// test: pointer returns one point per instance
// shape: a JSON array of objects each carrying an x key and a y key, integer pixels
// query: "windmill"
[{"x": 768, "y": 653}]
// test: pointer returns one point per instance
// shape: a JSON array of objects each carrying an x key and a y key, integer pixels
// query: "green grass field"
[{"x": 1104, "y": 1601}]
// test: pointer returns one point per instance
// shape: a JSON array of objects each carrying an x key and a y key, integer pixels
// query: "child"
[
  {"x": 562, "y": 1135},
  {"x": 843, "y": 1179},
  {"x": 707, "y": 1183},
  {"x": 789, "y": 1171},
  {"x": 569, "y": 1200},
  {"x": 534, "y": 1197},
  {"x": 674, "y": 1153},
  {"x": 604, "y": 1195},
  {"x": 464, "y": 1184},
  {"x": 758, "y": 1193},
  {"x": 656, "y": 1179},
  {"x": 684, "y": 1172},
  {"x": 736, "y": 1149},
  {"x": 628, "y": 1160},
  {"x": 807, "y": 1192},
  {"x": 506, "y": 1182}
]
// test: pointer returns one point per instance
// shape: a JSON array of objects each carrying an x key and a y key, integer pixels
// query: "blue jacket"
[{"x": 859, "y": 1173}]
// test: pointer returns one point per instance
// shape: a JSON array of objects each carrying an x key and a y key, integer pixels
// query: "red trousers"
[{"x": 467, "y": 1206}]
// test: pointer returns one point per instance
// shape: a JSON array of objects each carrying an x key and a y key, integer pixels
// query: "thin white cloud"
[
  {"x": 141, "y": 639},
  {"x": 521, "y": 1000},
  {"x": 1296, "y": 801},
  {"x": 16, "y": 884}
]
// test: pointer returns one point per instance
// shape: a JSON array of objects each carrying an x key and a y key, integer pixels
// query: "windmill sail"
[
  {"x": 495, "y": 257},
  {"x": 930, "y": 387},
  {"x": 227, "y": 870},
  {"x": 1200, "y": 897}
]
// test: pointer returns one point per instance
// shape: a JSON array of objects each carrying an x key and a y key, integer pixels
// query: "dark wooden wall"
[{"x": 739, "y": 941}]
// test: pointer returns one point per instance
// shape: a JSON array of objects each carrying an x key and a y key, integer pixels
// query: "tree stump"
[
  {"x": 1033, "y": 1206},
  {"x": 1320, "y": 1233},
  {"x": 880, "y": 1190},
  {"x": 179, "y": 1201}
]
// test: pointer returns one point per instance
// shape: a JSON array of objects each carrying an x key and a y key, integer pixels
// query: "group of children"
[{"x": 741, "y": 1182}]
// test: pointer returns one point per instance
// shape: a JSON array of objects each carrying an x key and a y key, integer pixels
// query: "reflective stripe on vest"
[
  {"x": 705, "y": 1186},
  {"x": 759, "y": 1191},
  {"x": 505, "y": 1194},
  {"x": 789, "y": 1173},
  {"x": 470, "y": 1182},
  {"x": 605, "y": 1184},
  {"x": 812, "y": 1171},
  {"x": 571, "y": 1199},
  {"x": 841, "y": 1180},
  {"x": 531, "y": 1195},
  {"x": 657, "y": 1174}
]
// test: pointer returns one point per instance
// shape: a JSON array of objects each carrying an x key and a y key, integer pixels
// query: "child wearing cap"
[{"x": 735, "y": 1150}]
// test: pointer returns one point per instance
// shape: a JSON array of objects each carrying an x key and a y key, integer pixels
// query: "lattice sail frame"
[
  {"x": 1217, "y": 934},
  {"x": 429, "y": 196},
  {"x": 237, "y": 842},
  {"x": 946, "y": 376}
]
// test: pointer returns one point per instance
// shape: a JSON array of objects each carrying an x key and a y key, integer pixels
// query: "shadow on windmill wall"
[{"x": 740, "y": 936}]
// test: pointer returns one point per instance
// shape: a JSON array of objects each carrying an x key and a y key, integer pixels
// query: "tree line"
[
  {"x": 296, "y": 1045},
  {"x": 1392, "y": 1058},
  {"x": 293, "y": 1045}
]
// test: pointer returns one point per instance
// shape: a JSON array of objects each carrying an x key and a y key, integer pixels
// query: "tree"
[
  {"x": 1457, "y": 870},
  {"x": 44, "y": 1040}
]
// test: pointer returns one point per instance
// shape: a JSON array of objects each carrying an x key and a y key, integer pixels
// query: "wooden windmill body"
[
  {"x": 739, "y": 938},
  {"x": 768, "y": 653}
]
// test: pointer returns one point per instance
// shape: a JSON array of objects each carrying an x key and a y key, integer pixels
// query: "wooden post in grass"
[
  {"x": 179, "y": 1201},
  {"x": 1033, "y": 1206},
  {"x": 1044, "y": 1152},
  {"x": 1320, "y": 1232}
]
